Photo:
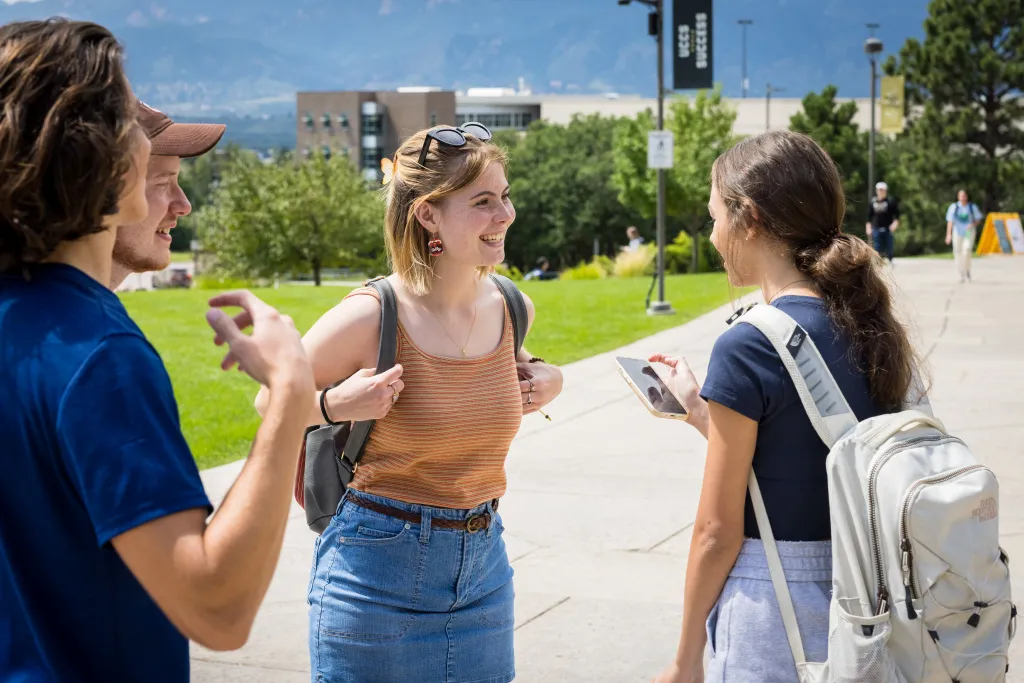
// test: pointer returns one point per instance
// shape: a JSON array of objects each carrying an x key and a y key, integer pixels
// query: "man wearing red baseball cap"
[{"x": 146, "y": 246}]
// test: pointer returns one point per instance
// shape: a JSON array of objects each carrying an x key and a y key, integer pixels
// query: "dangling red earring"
[{"x": 435, "y": 247}]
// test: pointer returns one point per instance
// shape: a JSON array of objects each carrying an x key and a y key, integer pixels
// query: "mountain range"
[{"x": 203, "y": 58}]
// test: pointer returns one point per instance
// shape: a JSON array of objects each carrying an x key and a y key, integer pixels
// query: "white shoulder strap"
[
  {"x": 777, "y": 573},
  {"x": 826, "y": 407}
]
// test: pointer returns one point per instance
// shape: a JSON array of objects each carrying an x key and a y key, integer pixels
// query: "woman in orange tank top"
[{"x": 411, "y": 581}]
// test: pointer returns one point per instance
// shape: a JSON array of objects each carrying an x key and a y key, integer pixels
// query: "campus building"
[{"x": 371, "y": 125}]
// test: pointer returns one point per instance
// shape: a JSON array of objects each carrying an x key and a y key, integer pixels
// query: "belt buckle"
[{"x": 477, "y": 523}]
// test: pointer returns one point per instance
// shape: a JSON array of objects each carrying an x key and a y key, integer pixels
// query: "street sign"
[
  {"x": 893, "y": 120},
  {"x": 692, "y": 54},
  {"x": 660, "y": 146}
]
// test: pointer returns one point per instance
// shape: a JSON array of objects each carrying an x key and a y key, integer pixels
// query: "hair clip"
[{"x": 387, "y": 166}]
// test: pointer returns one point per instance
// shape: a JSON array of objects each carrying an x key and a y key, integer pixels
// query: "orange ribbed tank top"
[{"x": 445, "y": 441}]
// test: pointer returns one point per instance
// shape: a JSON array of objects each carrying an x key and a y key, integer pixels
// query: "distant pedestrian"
[
  {"x": 962, "y": 219},
  {"x": 542, "y": 271},
  {"x": 883, "y": 220},
  {"x": 635, "y": 240}
]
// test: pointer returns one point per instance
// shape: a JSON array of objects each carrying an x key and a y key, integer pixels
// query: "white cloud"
[
  {"x": 202, "y": 19},
  {"x": 15, "y": 2},
  {"x": 386, "y": 7},
  {"x": 137, "y": 18},
  {"x": 157, "y": 11}
]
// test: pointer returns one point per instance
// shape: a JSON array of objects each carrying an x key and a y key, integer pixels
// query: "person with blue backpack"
[
  {"x": 841, "y": 535},
  {"x": 962, "y": 219}
]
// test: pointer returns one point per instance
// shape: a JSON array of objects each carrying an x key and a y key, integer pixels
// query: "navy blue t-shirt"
[
  {"x": 747, "y": 375},
  {"x": 91, "y": 448}
]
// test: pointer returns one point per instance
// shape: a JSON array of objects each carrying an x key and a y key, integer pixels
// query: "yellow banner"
[{"x": 892, "y": 104}]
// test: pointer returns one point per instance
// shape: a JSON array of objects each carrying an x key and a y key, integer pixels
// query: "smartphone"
[{"x": 649, "y": 388}]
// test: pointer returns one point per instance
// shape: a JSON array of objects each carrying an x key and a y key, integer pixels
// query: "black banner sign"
[{"x": 691, "y": 44}]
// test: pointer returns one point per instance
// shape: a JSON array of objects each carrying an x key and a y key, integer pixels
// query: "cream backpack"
[{"x": 920, "y": 584}]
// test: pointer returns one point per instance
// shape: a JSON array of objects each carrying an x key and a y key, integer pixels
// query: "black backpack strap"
[
  {"x": 385, "y": 361},
  {"x": 516, "y": 308}
]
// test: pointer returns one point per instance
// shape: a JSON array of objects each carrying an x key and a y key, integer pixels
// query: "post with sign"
[{"x": 661, "y": 306}]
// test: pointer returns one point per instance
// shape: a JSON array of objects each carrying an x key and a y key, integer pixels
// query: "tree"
[
  {"x": 703, "y": 130},
  {"x": 832, "y": 126},
  {"x": 964, "y": 84},
  {"x": 198, "y": 179},
  {"x": 562, "y": 192},
  {"x": 287, "y": 216}
]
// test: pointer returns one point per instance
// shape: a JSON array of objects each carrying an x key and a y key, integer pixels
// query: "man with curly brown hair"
[{"x": 108, "y": 564}]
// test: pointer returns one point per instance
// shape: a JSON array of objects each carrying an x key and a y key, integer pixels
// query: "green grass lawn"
[
  {"x": 576, "y": 319},
  {"x": 181, "y": 257}
]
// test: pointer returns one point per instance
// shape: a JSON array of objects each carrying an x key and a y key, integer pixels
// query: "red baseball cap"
[{"x": 171, "y": 139}]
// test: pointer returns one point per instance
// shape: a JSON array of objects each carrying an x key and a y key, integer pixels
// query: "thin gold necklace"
[
  {"x": 795, "y": 282},
  {"x": 469, "y": 336}
]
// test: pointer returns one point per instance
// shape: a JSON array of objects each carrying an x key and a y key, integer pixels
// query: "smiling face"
[
  {"x": 472, "y": 222},
  {"x": 145, "y": 245}
]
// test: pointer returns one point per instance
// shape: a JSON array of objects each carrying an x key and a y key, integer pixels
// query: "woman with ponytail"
[{"x": 777, "y": 203}]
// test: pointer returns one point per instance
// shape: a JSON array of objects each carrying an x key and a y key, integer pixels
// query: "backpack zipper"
[
  {"x": 881, "y": 459},
  {"x": 905, "y": 547}
]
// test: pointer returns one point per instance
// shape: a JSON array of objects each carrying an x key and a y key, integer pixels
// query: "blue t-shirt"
[
  {"x": 962, "y": 216},
  {"x": 747, "y": 375},
  {"x": 91, "y": 449}
]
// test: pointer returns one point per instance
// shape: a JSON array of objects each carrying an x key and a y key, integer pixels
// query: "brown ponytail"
[{"x": 793, "y": 188}]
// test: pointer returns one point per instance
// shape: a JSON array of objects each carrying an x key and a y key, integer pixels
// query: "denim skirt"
[
  {"x": 746, "y": 637},
  {"x": 391, "y": 600}
]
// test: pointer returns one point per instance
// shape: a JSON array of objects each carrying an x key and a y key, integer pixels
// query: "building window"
[
  {"x": 502, "y": 120},
  {"x": 527, "y": 120},
  {"x": 343, "y": 121},
  {"x": 461, "y": 119},
  {"x": 433, "y": 119},
  {"x": 308, "y": 120},
  {"x": 325, "y": 120},
  {"x": 327, "y": 152},
  {"x": 371, "y": 157},
  {"x": 373, "y": 124}
]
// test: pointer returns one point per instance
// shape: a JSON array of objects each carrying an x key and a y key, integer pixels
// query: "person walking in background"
[
  {"x": 146, "y": 246},
  {"x": 883, "y": 220},
  {"x": 962, "y": 219},
  {"x": 108, "y": 562},
  {"x": 635, "y": 240},
  {"x": 542, "y": 271},
  {"x": 778, "y": 206},
  {"x": 411, "y": 580}
]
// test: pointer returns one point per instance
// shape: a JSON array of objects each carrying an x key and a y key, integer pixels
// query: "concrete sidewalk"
[{"x": 601, "y": 500}]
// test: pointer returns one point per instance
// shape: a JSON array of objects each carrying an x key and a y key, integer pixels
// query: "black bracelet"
[
  {"x": 323, "y": 405},
  {"x": 537, "y": 360}
]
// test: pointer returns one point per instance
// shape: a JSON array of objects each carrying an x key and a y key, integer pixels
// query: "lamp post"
[
  {"x": 746, "y": 82},
  {"x": 769, "y": 90},
  {"x": 872, "y": 47},
  {"x": 656, "y": 27}
]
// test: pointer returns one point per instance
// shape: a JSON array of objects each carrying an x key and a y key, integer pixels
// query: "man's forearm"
[{"x": 243, "y": 540}]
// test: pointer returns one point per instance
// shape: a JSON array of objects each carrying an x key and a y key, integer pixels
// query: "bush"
[
  {"x": 595, "y": 270},
  {"x": 635, "y": 263},
  {"x": 511, "y": 272},
  {"x": 679, "y": 254}
]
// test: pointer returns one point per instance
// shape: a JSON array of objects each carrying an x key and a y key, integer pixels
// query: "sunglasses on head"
[{"x": 453, "y": 137}]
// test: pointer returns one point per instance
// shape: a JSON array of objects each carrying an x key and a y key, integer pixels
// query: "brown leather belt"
[{"x": 471, "y": 524}]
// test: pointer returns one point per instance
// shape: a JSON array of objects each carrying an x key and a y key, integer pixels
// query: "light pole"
[
  {"x": 872, "y": 47},
  {"x": 656, "y": 27},
  {"x": 746, "y": 82},
  {"x": 769, "y": 89}
]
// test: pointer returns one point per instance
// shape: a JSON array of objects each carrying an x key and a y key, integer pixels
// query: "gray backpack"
[{"x": 331, "y": 451}]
